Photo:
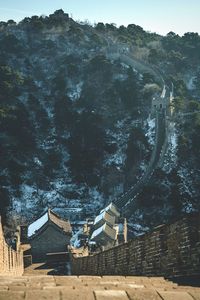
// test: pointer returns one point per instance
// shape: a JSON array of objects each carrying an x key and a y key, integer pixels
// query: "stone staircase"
[
  {"x": 41, "y": 287},
  {"x": 47, "y": 269}
]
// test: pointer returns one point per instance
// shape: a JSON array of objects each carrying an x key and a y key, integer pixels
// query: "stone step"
[{"x": 93, "y": 288}]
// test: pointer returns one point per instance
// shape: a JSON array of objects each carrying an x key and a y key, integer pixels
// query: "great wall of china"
[{"x": 169, "y": 250}]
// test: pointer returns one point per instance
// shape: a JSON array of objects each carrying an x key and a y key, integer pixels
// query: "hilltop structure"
[{"x": 160, "y": 102}]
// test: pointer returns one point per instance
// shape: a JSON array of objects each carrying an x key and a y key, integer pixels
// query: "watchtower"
[{"x": 160, "y": 103}]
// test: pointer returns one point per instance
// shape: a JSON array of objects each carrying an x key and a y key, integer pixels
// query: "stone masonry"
[
  {"x": 50, "y": 240},
  {"x": 169, "y": 251},
  {"x": 93, "y": 288},
  {"x": 52, "y": 237},
  {"x": 11, "y": 262}
]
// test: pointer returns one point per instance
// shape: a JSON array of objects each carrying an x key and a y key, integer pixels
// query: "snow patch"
[
  {"x": 170, "y": 158},
  {"x": 190, "y": 83},
  {"x": 150, "y": 134},
  {"x": 37, "y": 224},
  {"x": 74, "y": 92},
  {"x": 37, "y": 161},
  {"x": 75, "y": 242}
]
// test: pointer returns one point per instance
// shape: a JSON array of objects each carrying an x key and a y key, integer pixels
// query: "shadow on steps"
[
  {"x": 187, "y": 280},
  {"x": 42, "y": 268}
]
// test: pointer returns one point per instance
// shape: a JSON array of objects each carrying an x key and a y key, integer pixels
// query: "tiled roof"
[
  {"x": 111, "y": 209},
  {"x": 104, "y": 231},
  {"x": 61, "y": 223},
  {"x": 37, "y": 227},
  {"x": 104, "y": 217}
]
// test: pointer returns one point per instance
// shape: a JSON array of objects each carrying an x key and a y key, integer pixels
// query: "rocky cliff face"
[{"x": 75, "y": 131}]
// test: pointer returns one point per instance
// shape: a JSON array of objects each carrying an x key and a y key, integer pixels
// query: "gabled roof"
[
  {"x": 104, "y": 217},
  {"x": 36, "y": 225},
  {"x": 103, "y": 233},
  {"x": 49, "y": 217},
  {"x": 111, "y": 209},
  {"x": 61, "y": 223}
]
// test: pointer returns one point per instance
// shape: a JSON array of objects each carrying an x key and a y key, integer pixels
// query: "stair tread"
[{"x": 93, "y": 287}]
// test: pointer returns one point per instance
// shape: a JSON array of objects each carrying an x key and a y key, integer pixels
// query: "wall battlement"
[
  {"x": 11, "y": 262},
  {"x": 169, "y": 250}
]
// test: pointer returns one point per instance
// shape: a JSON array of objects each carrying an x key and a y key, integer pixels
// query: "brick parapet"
[
  {"x": 169, "y": 250},
  {"x": 11, "y": 261}
]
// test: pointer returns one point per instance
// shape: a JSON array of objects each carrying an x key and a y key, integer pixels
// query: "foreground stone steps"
[{"x": 93, "y": 288}]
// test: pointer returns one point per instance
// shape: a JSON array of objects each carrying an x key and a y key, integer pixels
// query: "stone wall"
[
  {"x": 11, "y": 262},
  {"x": 169, "y": 250},
  {"x": 51, "y": 240}
]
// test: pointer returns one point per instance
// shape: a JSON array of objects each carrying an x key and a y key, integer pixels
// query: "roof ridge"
[
  {"x": 56, "y": 215},
  {"x": 41, "y": 229},
  {"x": 55, "y": 219}
]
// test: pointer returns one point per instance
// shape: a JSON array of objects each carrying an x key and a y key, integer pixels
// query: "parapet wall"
[
  {"x": 169, "y": 250},
  {"x": 11, "y": 262}
]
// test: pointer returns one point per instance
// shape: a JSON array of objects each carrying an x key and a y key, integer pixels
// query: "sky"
[{"x": 161, "y": 16}]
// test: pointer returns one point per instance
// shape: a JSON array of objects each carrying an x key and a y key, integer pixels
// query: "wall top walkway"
[
  {"x": 93, "y": 288},
  {"x": 170, "y": 250}
]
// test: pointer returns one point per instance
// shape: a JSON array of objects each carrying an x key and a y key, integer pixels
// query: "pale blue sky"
[{"x": 159, "y": 16}]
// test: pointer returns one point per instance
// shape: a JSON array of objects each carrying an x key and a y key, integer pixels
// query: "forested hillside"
[{"x": 75, "y": 126}]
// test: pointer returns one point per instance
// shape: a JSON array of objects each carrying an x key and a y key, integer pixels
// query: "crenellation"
[
  {"x": 169, "y": 250},
  {"x": 11, "y": 261}
]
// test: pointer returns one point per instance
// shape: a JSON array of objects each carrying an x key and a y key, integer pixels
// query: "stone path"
[
  {"x": 93, "y": 288},
  {"x": 38, "y": 269},
  {"x": 45, "y": 269}
]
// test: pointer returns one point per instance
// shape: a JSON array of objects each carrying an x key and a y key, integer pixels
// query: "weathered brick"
[
  {"x": 178, "y": 295},
  {"x": 10, "y": 295},
  {"x": 42, "y": 295},
  {"x": 195, "y": 294},
  {"x": 166, "y": 251},
  {"x": 11, "y": 262},
  {"x": 143, "y": 294},
  {"x": 77, "y": 294},
  {"x": 111, "y": 294}
]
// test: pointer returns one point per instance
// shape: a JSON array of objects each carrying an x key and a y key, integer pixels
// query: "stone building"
[
  {"x": 109, "y": 229},
  {"x": 102, "y": 218},
  {"x": 160, "y": 102},
  {"x": 104, "y": 236},
  {"x": 49, "y": 234}
]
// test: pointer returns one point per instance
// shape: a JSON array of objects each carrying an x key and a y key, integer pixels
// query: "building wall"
[
  {"x": 158, "y": 103},
  {"x": 51, "y": 240},
  {"x": 170, "y": 250},
  {"x": 11, "y": 262}
]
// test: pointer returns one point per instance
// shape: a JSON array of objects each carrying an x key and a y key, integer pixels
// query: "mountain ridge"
[{"x": 72, "y": 117}]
